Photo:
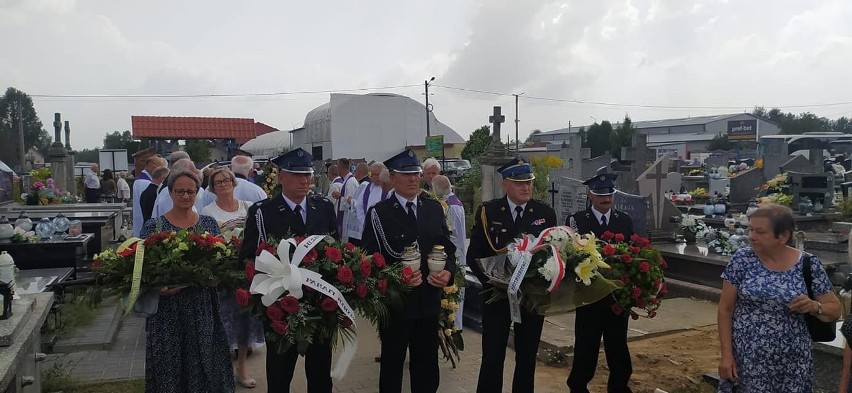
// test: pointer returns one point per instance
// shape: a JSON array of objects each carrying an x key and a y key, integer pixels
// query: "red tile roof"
[{"x": 165, "y": 127}]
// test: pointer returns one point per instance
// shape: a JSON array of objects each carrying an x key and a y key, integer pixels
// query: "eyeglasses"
[
  {"x": 221, "y": 182},
  {"x": 185, "y": 193}
]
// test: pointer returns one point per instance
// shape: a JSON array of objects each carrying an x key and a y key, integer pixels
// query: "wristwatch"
[{"x": 819, "y": 307}]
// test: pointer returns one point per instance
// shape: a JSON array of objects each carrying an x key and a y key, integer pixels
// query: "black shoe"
[{"x": 378, "y": 359}]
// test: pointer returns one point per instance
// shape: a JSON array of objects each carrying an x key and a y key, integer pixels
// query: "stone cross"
[
  {"x": 57, "y": 128},
  {"x": 495, "y": 120}
]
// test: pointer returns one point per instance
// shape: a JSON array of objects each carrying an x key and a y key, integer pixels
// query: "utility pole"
[
  {"x": 21, "y": 135},
  {"x": 426, "y": 85},
  {"x": 516, "y": 122}
]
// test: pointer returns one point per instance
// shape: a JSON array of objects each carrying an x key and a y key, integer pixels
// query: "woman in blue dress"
[
  {"x": 765, "y": 343},
  {"x": 186, "y": 350}
]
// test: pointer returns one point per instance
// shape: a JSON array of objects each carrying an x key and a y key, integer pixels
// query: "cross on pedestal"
[
  {"x": 658, "y": 176},
  {"x": 553, "y": 191},
  {"x": 495, "y": 120}
]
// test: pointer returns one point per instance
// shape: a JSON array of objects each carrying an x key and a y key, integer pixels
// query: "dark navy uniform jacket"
[
  {"x": 396, "y": 232},
  {"x": 584, "y": 221},
  {"x": 490, "y": 236}
]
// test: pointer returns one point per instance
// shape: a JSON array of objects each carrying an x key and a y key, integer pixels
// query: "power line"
[{"x": 235, "y": 95}]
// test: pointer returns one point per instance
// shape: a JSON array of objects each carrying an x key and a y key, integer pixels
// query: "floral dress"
[
  {"x": 186, "y": 350},
  {"x": 771, "y": 344}
]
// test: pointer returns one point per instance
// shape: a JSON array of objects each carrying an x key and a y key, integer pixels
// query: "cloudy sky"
[{"x": 575, "y": 61}]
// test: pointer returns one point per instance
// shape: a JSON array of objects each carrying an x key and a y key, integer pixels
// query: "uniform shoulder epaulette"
[{"x": 320, "y": 198}]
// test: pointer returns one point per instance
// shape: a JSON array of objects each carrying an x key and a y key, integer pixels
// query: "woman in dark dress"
[{"x": 187, "y": 349}]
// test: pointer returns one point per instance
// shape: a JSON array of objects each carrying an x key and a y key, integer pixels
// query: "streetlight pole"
[
  {"x": 516, "y": 121},
  {"x": 426, "y": 85}
]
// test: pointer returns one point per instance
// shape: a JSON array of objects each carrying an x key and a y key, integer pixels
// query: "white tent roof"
[{"x": 270, "y": 144}]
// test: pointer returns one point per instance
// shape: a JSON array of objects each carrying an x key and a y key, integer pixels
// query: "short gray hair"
[
  {"x": 242, "y": 165},
  {"x": 377, "y": 167},
  {"x": 441, "y": 184},
  {"x": 182, "y": 173},
  {"x": 160, "y": 173},
  {"x": 430, "y": 162},
  {"x": 178, "y": 155}
]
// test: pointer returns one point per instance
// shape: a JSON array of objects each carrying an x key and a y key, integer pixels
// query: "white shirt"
[
  {"x": 139, "y": 185},
  {"x": 123, "y": 188},
  {"x": 512, "y": 208},
  {"x": 304, "y": 206},
  {"x": 248, "y": 191},
  {"x": 404, "y": 203},
  {"x": 92, "y": 180},
  {"x": 356, "y": 224},
  {"x": 598, "y": 215},
  {"x": 227, "y": 219}
]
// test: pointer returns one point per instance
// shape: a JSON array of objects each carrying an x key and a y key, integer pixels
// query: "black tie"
[
  {"x": 300, "y": 223},
  {"x": 603, "y": 221},
  {"x": 518, "y": 211},
  {"x": 410, "y": 206}
]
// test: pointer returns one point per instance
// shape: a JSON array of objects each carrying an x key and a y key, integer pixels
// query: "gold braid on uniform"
[{"x": 488, "y": 238}]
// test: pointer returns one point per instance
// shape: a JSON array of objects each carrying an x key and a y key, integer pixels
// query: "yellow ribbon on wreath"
[{"x": 136, "y": 279}]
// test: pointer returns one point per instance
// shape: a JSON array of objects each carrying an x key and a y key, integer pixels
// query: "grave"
[
  {"x": 571, "y": 197},
  {"x": 718, "y": 186},
  {"x": 494, "y": 159},
  {"x": 654, "y": 182},
  {"x": 796, "y": 163},
  {"x": 637, "y": 207},
  {"x": 744, "y": 187}
]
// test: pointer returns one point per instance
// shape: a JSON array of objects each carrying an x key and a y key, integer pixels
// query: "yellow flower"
[
  {"x": 451, "y": 317},
  {"x": 454, "y": 306},
  {"x": 585, "y": 270},
  {"x": 444, "y": 303},
  {"x": 451, "y": 289},
  {"x": 183, "y": 247},
  {"x": 448, "y": 332}
]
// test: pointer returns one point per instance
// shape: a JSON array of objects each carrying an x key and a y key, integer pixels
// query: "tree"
[
  {"x": 198, "y": 149},
  {"x": 478, "y": 143},
  {"x": 598, "y": 138},
  {"x": 124, "y": 140},
  {"x": 34, "y": 134},
  {"x": 843, "y": 124},
  {"x": 622, "y": 137},
  {"x": 720, "y": 142},
  {"x": 531, "y": 136},
  {"x": 87, "y": 155}
]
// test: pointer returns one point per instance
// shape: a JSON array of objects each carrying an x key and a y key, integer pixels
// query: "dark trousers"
[
  {"x": 418, "y": 336},
  {"x": 280, "y": 368},
  {"x": 594, "y": 321},
  {"x": 496, "y": 320},
  {"x": 92, "y": 195}
]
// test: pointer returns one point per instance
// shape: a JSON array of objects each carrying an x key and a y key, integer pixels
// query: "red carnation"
[
  {"x": 637, "y": 292},
  {"x": 344, "y": 274},
  {"x": 635, "y": 249},
  {"x": 349, "y": 247},
  {"x": 298, "y": 239},
  {"x": 634, "y": 238},
  {"x": 382, "y": 285},
  {"x": 96, "y": 264},
  {"x": 279, "y": 327},
  {"x": 616, "y": 309},
  {"x": 664, "y": 290},
  {"x": 310, "y": 257},
  {"x": 328, "y": 304},
  {"x": 609, "y": 250},
  {"x": 274, "y": 312},
  {"x": 663, "y": 263},
  {"x": 366, "y": 269},
  {"x": 625, "y": 279},
  {"x": 290, "y": 304},
  {"x": 626, "y": 258},
  {"x": 345, "y": 323},
  {"x": 379, "y": 260},
  {"x": 217, "y": 239},
  {"x": 634, "y": 315},
  {"x": 607, "y": 235},
  {"x": 128, "y": 251},
  {"x": 243, "y": 296},
  {"x": 645, "y": 241},
  {"x": 640, "y": 303},
  {"x": 619, "y": 237},
  {"x": 658, "y": 283},
  {"x": 333, "y": 254},
  {"x": 644, "y": 267},
  {"x": 361, "y": 290},
  {"x": 250, "y": 272}
]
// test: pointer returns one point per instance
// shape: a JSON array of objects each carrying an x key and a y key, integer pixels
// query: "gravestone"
[
  {"x": 796, "y": 163},
  {"x": 637, "y": 207},
  {"x": 775, "y": 153},
  {"x": 591, "y": 166},
  {"x": 744, "y": 186},
  {"x": 494, "y": 159},
  {"x": 69, "y": 161},
  {"x": 718, "y": 186},
  {"x": 638, "y": 155},
  {"x": 572, "y": 197},
  {"x": 716, "y": 159},
  {"x": 576, "y": 155},
  {"x": 652, "y": 183},
  {"x": 57, "y": 156},
  {"x": 673, "y": 182}
]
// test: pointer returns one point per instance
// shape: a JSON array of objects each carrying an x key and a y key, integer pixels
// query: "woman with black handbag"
[{"x": 766, "y": 342}]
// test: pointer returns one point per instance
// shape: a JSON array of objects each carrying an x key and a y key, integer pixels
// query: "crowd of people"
[{"x": 383, "y": 207}]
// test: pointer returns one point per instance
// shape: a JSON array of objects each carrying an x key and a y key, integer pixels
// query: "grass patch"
[
  {"x": 128, "y": 386},
  {"x": 58, "y": 376},
  {"x": 78, "y": 311}
]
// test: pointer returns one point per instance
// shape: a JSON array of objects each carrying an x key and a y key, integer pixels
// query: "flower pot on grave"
[{"x": 689, "y": 236}]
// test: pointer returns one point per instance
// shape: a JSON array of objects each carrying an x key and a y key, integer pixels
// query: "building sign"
[
  {"x": 435, "y": 145},
  {"x": 742, "y": 130}
]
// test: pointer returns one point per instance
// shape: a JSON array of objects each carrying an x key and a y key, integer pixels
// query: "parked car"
[{"x": 454, "y": 167}]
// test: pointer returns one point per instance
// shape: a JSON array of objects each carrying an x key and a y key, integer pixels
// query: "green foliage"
[
  {"x": 58, "y": 376},
  {"x": 198, "y": 149},
  {"x": 622, "y": 137},
  {"x": 598, "y": 138},
  {"x": 34, "y": 134},
  {"x": 478, "y": 144},
  {"x": 803, "y": 122},
  {"x": 720, "y": 142},
  {"x": 87, "y": 155}
]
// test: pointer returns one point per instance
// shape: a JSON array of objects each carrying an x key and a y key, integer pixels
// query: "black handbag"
[{"x": 820, "y": 331}]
